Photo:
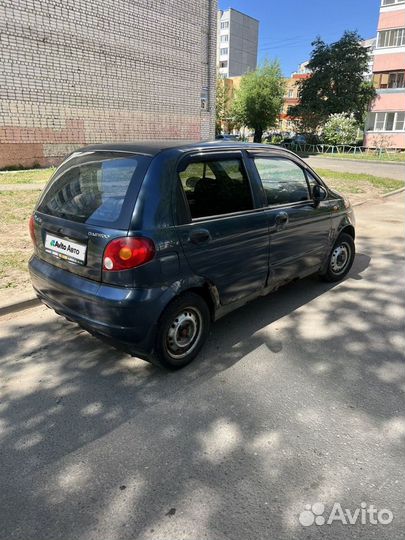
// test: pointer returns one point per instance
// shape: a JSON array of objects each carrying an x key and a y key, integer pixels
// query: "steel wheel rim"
[
  {"x": 340, "y": 258},
  {"x": 184, "y": 333}
]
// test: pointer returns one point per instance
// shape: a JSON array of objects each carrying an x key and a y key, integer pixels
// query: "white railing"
[{"x": 340, "y": 149}]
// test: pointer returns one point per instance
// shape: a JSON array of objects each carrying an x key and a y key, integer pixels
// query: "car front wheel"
[{"x": 340, "y": 259}]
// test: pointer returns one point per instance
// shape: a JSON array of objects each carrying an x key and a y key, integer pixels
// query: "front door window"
[{"x": 283, "y": 181}]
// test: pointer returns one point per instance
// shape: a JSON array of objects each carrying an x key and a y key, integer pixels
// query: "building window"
[
  {"x": 391, "y": 2},
  {"x": 386, "y": 121},
  {"x": 389, "y": 121},
  {"x": 225, "y": 38},
  {"x": 223, "y": 50},
  {"x": 400, "y": 121},
  {"x": 391, "y": 38},
  {"x": 395, "y": 79},
  {"x": 381, "y": 80},
  {"x": 223, "y": 64},
  {"x": 224, "y": 24},
  {"x": 290, "y": 93},
  {"x": 379, "y": 121}
]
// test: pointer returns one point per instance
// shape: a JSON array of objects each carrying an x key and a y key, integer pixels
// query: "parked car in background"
[
  {"x": 227, "y": 137},
  {"x": 144, "y": 245},
  {"x": 273, "y": 138},
  {"x": 302, "y": 138},
  {"x": 295, "y": 139},
  {"x": 299, "y": 139}
]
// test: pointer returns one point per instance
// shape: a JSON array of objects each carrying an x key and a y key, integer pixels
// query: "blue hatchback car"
[{"x": 144, "y": 245}]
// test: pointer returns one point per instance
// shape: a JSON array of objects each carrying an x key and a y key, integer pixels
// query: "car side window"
[
  {"x": 283, "y": 181},
  {"x": 215, "y": 187}
]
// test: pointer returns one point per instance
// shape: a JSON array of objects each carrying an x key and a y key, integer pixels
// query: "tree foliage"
[
  {"x": 340, "y": 128},
  {"x": 336, "y": 85},
  {"x": 259, "y": 99},
  {"x": 222, "y": 104}
]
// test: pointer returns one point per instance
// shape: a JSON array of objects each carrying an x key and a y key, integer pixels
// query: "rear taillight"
[
  {"x": 125, "y": 253},
  {"x": 31, "y": 226}
]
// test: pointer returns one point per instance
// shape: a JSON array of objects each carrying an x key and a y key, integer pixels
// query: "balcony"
[
  {"x": 390, "y": 81},
  {"x": 390, "y": 3}
]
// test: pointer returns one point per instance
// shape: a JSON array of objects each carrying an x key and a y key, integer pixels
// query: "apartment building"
[
  {"x": 386, "y": 120},
  {"x": 237, "y": 41},
  {"x": 83, "y": 71},
  {"x": 369, "y": 45}
]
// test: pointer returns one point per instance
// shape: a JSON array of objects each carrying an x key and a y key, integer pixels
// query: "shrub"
[{"x": 340, "y": 128}]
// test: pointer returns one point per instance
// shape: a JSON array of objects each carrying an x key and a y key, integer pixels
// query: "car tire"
[
  {"x": 182, "y": 331},
  {"x": 340, "y": 259}
]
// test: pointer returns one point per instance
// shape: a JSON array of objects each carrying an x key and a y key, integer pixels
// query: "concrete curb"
[
  {"x": 31, "y": 300},
  {"x": 382, "y": 162},
  {"x": 22, "y": 187},
  {"x": 400, "y": 190},
  {"x": 23, "y": 303},
  {"x": 19, "y": 171}
]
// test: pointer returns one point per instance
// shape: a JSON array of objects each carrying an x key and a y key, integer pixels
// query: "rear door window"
[
  {"x": 94, "y": 189},
  {"x": 283, "y": 181},
  {"x": 216, "y": 186}
]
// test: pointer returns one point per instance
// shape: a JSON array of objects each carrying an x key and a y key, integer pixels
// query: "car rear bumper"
[{"x": 125, "y": 317}]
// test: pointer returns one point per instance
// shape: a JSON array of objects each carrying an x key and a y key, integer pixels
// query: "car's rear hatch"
[{"x": 88, "y": 202}]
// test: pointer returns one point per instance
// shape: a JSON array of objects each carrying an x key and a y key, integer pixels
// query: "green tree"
[
  {"x": 259, "y": 99},
  {"x": 222, "y": 104},
  {"x": 336, "y": 84},
  {"x": 340, "y": 128}
]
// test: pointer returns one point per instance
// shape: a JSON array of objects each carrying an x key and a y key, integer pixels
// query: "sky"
[{"x": 287, "y": 27}]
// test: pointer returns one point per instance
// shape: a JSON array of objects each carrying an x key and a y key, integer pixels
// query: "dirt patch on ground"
[
  {"x": 357, "y": 192},
  {"x": 15, "y": 241}
]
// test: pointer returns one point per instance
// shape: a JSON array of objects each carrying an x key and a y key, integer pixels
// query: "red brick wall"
[{"x": 82, "y": 71}]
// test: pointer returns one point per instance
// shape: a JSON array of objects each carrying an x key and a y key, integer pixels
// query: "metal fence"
[{"x": 341, "y": 149}]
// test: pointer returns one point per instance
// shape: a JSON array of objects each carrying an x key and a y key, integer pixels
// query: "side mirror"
[{"x": 319, "y": 194}]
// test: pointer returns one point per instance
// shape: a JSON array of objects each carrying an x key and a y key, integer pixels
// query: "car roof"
[{"x": 151, "y": 148}]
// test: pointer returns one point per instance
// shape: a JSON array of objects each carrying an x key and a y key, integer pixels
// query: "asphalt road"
[
  {"x": 298, "y": 398},
  {"x": 385, "y": 170}
]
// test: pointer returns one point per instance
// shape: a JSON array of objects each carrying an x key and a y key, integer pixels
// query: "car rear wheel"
[
  {"x": 182, "y": 330},
  {"x": 340, "y": 259}
]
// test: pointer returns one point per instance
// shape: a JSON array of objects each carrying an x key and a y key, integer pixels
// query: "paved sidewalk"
[
  {"x": 385, "y": 170},
  {"x": 12, "y": 300},
  {"x": 297, "y": 398},
  {"x": 38, "y": 186}
]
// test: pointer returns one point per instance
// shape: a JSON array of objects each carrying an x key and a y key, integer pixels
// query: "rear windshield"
[{"x": 97, "y": 188}]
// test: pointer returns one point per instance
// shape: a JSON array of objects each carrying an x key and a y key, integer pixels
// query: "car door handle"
[
  {"x": 281, "y": 220},
  {"x": 200, "y": 236}
]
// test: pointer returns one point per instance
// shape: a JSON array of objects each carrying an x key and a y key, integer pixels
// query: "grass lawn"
[
  {"x": 16, "y": 207},
  {"x": 359, "y": 186},
  {"x": 26, "y": 177},
  {"x": 15, "y": 241}
]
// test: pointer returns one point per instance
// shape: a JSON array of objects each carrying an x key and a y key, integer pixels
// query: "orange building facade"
[{"x": 291, "y": 98}]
